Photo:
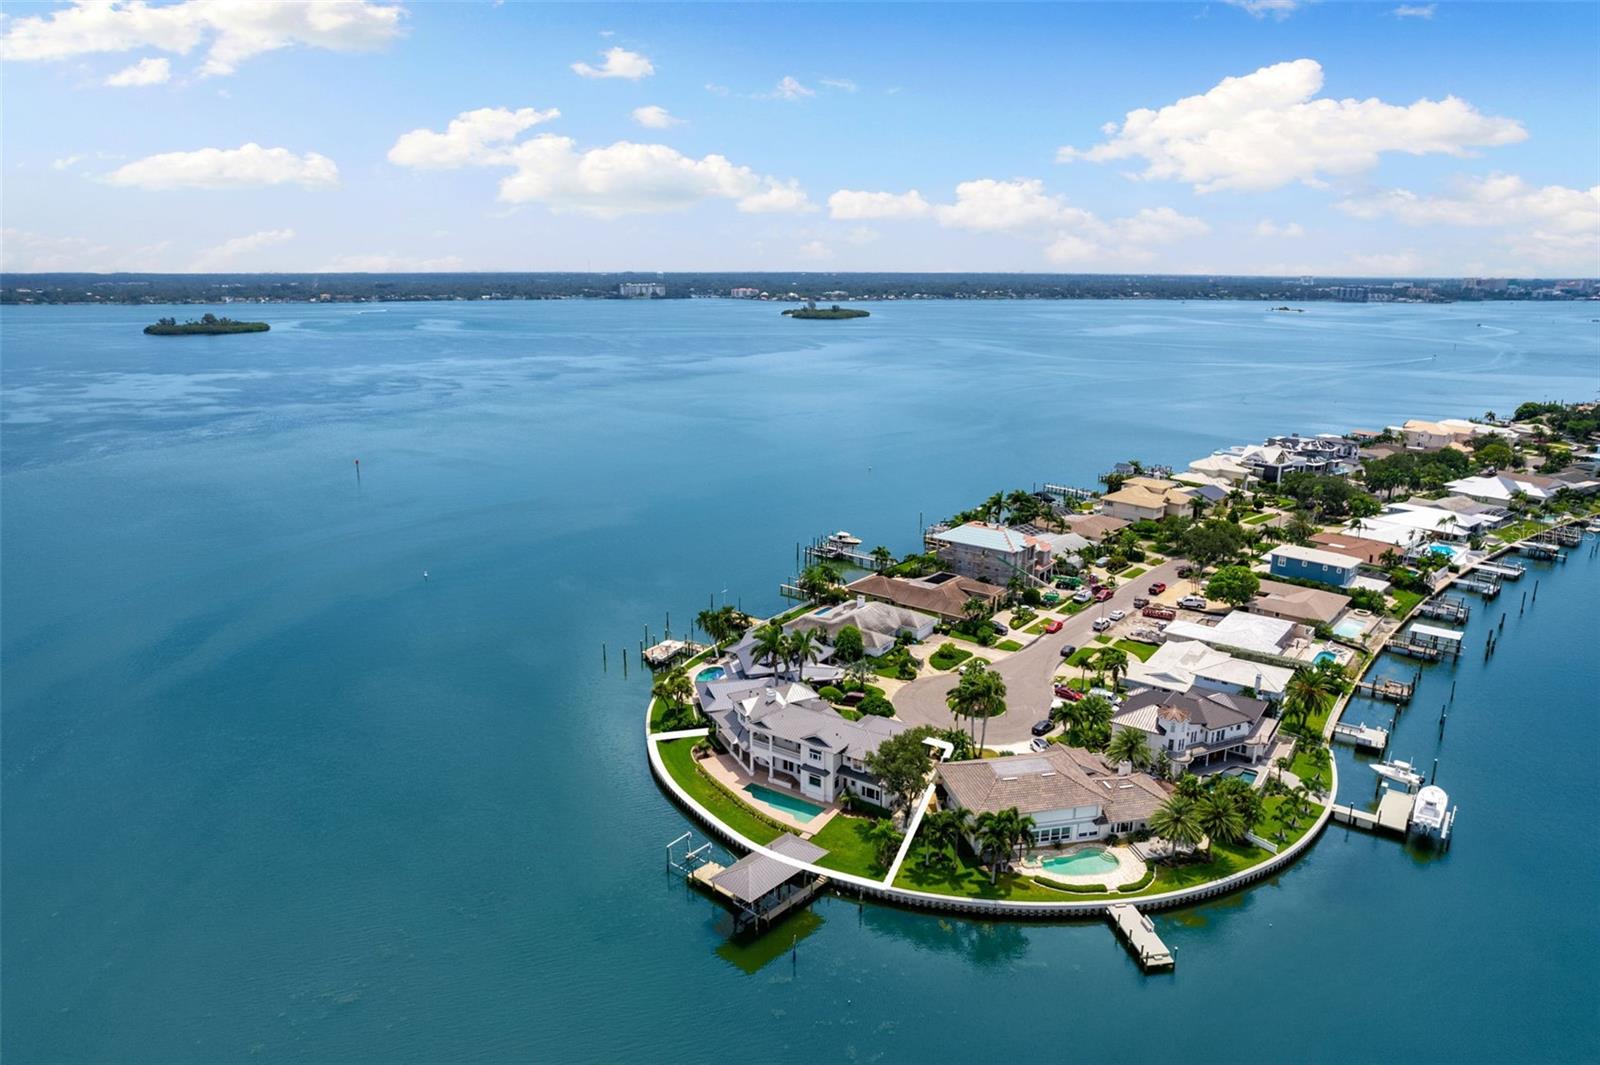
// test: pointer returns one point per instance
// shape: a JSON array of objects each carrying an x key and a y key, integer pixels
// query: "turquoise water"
[
  {"x": 1247, "y": 775},
  {"x": 1086, "y": 862},
  {"x": 1443, "y": 549},
  {"x": 798, "y": 809},
  {"x": 711, "y": 673},
  {"x": 269, "y": 795},
  {"x": 1324, "y": 656}
]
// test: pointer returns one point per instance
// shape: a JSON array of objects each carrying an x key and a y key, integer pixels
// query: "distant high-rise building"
[
  {"x": 641, "y": 289},
  {"x": 745, "y": 293}
]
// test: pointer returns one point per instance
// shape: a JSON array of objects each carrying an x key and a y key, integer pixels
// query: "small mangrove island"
[
  {"x": 836, "y": 311},
  {"x": 208, "y": 325}
]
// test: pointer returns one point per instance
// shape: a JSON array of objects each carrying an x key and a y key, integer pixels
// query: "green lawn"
[
  {"x": 1080, "y": 657},
  {"x": 1072, "y": 606},
  {"x": 1037, "y": 628},
  {"x": 1257, "y": 519},
  {"x": 1142, "y": 650},
  {"x": 678, "y": 757},
  {"x": 849, "y": 850},
  {"x": 941, "y": 660},
  {"x": 1404, "y": 600},
  {"x": 658, "y": 711},
  {"x": 1009, "y": 645},
  {"x": 1132, "y": 572},
  {"x": 1102, "y": 639},
  {"x": 1519, "y": 530},
  {"x": 1272, "y": 821},
  {"x": 961, "y": 875}
]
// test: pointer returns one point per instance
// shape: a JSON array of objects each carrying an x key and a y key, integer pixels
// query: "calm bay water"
[{"x": 270, "y": 794}]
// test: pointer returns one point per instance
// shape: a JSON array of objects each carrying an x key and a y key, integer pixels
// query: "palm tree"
[
  {"x": 882, "y": 556},
  {"x": 1218, "y": 814},
  {"x": 1189, "y": 787},
  {"x": 1178, "y": 822},
  {"x": 1020, "y": 829},
  {"x": 1197, "y": 506},
  {"x": 975, "y": 609},
  {"x": 1129, "y": 745},
  {"x": 676, "y": 690},
  {"x": 885, "y": 840},
  {"x": 960, "y": 743},
  {"x": 968, "y": 698},
  {"x": 772, "y": 644},
  {"x": 994, "y": 838},
  {"x": 1091, "y": 722},
  {"x": 945, "y": 828},
  {"x": 1112, "y": 660},
  {"x": 802, "y": 649},
  {"x": 1306, "y": 696},
  {"x": 1163, "y": 765}
]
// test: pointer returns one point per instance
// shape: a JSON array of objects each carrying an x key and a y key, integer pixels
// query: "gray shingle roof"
[{"x": 1055, "y": 779}]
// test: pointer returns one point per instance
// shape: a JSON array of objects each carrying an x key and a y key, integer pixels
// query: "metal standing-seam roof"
[{"x": 756, "y": 874}]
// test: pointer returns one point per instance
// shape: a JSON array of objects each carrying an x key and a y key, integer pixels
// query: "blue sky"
[{"x": 1262, "y": 137}]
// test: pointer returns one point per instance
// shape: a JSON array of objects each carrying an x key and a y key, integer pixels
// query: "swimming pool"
[
  {"x": 1444, "y": 549},
  {"x": 798, "y": 809},
  {"x": 1246, "y": 775},
  {"x": 1350, "y": 628},
  {"x": 712, "y": 673},
  {"x": 1324, "y": 656},
  {"x": 1087, "y": 862}
]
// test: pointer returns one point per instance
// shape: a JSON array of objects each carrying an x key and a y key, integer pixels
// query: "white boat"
[
  {"x": 1431, "y": 815},
  {"x": 844, "y": 539},
  {"x": 1400, "y": 772}
]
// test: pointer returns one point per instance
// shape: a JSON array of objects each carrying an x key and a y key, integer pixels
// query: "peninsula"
[
  {"x": 208, "y": 325},
  {"x": 836, "y": 311},
  {"x": 1077, "y": 701}
]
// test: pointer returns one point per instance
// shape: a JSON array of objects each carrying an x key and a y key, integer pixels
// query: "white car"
[
  {"x": 1101, "y": 624},
  {"x": 1192, "y": 602},
  {"x": 1082, "y": 595},
  {"x": 1117, "y": 615},
  {"x": 1040, "y": 743}
]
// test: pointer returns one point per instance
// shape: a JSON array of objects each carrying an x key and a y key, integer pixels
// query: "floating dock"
[
  {"x": 663, "y": 654},
  {"x": 1140, "y": 936},
  {"x": 1511, "y": 571},
  {"x": 1486, "y": 585},
  {"x": 1539, "y": 549},
  {"x": 1393, "y": 814},
  {"x": 1449, "y": 608},
  {"x": 1363, "y": 736}
]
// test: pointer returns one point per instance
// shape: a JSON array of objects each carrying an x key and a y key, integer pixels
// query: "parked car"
[
  {"x": 1082, "y": 595},
  {"x": 1039, "y": 744},
  {"x": 1157, "y": 588},
  {"x": 1101, "y": 624},
  {"x": 1000, "y": 627},
  {"x": 1186, "y": 571},
  {"x": 1041, "y": 727},
  {"x": 1107, "y": 694},
  {"x": 1192, "y": 602},
  {"x": 1117, "y": 615},
  {"x": 1071, "y": 695},
  {"x": 1161, "y": 613},
  {"x": 1068, "y": 650},
  {"x": 1052, "y": 626},
  {"x": 1102, "y": 595},
  {"x": 1140, "y": 602}
]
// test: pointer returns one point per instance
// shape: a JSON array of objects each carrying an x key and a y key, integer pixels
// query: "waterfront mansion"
[
  {"x": 1070, "y": 793},
  {"x": 783, "y": 733}
]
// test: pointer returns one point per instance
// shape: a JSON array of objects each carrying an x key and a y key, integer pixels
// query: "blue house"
[{"x": 1309, "y": 564}]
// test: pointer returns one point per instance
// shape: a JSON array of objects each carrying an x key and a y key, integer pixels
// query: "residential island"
[
  {"x": 208, "y": 325},
  {"x": 1080, "y": 701},
  {"x": 811, "y": 310}
]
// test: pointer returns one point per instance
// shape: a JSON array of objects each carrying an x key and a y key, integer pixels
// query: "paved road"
[{"x": 1028, "y": 673}]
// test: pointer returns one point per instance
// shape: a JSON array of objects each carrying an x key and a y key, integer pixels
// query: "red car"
[
  {"x": 1102, "y": 595},
  {"x": 1052, "y": 626},
  {"x": 1071, "y": 695},
  {"x": 1157, "y": 588}
]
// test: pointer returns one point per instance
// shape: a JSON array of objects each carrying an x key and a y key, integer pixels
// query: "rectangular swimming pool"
[
  {"x": 1349, "y": 628},
  {"x": 798, "y": 809}
]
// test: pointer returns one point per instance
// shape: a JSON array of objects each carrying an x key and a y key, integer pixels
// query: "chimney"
[
  {"x": 1124, "y": 768},
  {"x": 772, "y": 695}
]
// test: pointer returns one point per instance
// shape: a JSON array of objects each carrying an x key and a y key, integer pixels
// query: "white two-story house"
[
  {"x": 784, "y": 734},
  {"x": 1198, "y": 728}
]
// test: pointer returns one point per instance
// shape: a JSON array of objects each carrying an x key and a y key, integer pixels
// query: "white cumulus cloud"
[
  {"x": 789, "y": 88},
  {"x": 472, "y": 138},
  {"x": 231, "y": 30},
  {"x": 619, "y": 179},
  {"x": 247, "y": 166},
  {"x": 619, "y": 63},
  {"x": 1278, "y": 9},
  {"x": 1268, "y": 228},
  {"x": 1424, "y": 11},
  {"x": 655, "y": 116},
  {"x": 1267, "y": 129},
  {"x": 842, "y": 84},
  {"x": 228, "y": 253},
  {"x": 144, "y": 72},
  {"x": 1550, "y": 224},
  {"x": 26, "y": 252},
  {"x": 849, "y": 204},
  {"x": 988, "y": 205}
]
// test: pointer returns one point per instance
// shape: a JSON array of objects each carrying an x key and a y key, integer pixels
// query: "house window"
[
  {"x": 815, "y": 756},
  {"x": 816, "y": 782}
]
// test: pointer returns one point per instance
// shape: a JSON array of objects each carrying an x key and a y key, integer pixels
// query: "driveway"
[{"x": 1029, "y": 674}]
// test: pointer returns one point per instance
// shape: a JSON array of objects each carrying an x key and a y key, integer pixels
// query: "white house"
[
  {"x": 1502, "y": 488},
  {"x": 784, "y": 734},
  {"x": 1199, "y": 728},
  {"x": 1186, "y": 665},
  {"x": 879, "y": 623},
  {"x": 1245, "y": 632},
  {"x": 1070, "y": 793}
]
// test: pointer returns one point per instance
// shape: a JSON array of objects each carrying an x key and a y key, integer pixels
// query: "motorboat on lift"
[{"x": 1399, "y": 772}]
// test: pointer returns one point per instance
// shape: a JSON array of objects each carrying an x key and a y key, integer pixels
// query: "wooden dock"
[
  {"x": 1427, "y": 652},
  {"x": 1386, "y": 689},
  {"x": 1393, "y": 814},
  {"x": 1449, "y": 608},
  {"x": 663, "y": 654},
  {"x": 1510, "y": 571},
  {"x": 1539, "y": 549},
  {"x": 1366, "y": 737},
  {"x": 1140, "y": 936},
  {"x": 1485, "y": 586}
]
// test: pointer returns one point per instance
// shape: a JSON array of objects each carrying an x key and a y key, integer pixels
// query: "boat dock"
[
  {"x": 1484, "y": 584},
  {"x": 1511, "y": 571},
  {"x": 663, "y": 654},
  {"x": 1393, "y": 814},
  {"x": 1386, "y": 689},
  {"x": 1451, "y": 608},
  {"x": 1140, "y": 936},
  {"x": 841, "y": 547},
  {"x": 1366, "y": 737},
  {"x": 1539, "y": 549}
]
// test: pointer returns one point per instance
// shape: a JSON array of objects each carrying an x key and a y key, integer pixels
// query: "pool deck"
[
  {"x": 732, "y": 776},
  {"x": 1130, "y": 867}
]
